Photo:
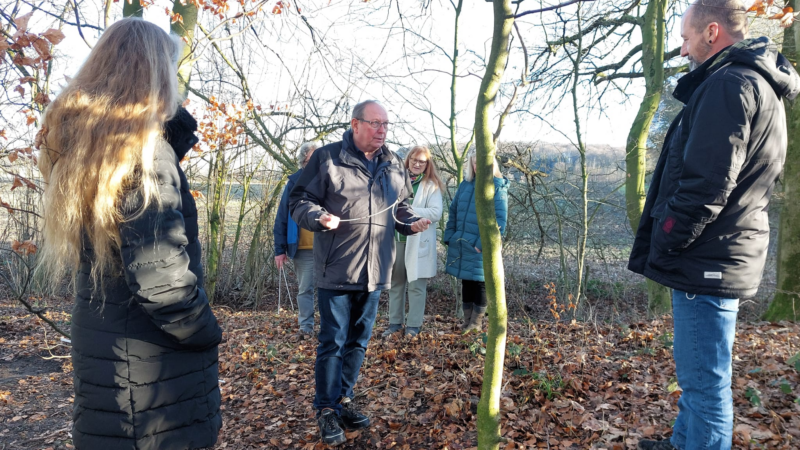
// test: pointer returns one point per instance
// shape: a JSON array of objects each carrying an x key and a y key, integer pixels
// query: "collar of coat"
[
  {"x": 179, "y": 132},
  {"x": 759, "y": 54},
  {"x": 350, "y": 154}
]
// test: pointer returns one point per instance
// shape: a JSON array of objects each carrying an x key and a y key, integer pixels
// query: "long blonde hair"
[
  {"x": 469, "y": 171},
  {"x": 98, "y": 140},
  {"x": 430, "y": 168}
]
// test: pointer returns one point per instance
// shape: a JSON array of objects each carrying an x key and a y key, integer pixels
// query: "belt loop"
[{"x": 692, "y": 297}]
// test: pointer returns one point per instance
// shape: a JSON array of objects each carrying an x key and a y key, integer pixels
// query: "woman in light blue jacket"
[{"x": 464, "y": 258}]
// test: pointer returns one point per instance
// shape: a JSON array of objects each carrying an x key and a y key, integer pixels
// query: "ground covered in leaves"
[{"x": 566, "y": 385}]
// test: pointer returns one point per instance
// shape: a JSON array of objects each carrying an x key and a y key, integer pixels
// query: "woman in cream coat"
[{"x": 416, "y": 256}]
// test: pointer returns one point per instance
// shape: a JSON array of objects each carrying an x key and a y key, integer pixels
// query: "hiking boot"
[
  {"x": 412, "y": 331},
  {"x": 393, "y": 328},
  {"x": 329, "y": 429},
  {"x": 655, "y": 445},
  {"x": 467, "y": 308},
  {"x": 351, "y": 418},
  {"x": 306, "y": 334},
  {"x": 475, "y": 322}
]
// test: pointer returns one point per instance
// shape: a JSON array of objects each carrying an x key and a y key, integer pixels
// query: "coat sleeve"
[
  {"x": 640, "y": 250},
  {"x": 279, "y": 230},
  {"x": 308, "y": 194},
  {"x": 501, "y": 207},
  {"x": 452, "y": 215},
  {"x": 153, "y": 249},
  {"x": 714, "y": 153}
]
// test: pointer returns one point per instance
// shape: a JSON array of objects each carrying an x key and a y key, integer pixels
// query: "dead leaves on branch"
[{"x": 769, "y": 10}]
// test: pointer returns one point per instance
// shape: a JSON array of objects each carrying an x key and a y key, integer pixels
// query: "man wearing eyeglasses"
[{"x": 353, "y": 194}]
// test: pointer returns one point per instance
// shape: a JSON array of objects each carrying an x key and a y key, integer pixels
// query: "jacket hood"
[
  {"x": 179, "y": 132},
  {"x": 760, "y": 54}
]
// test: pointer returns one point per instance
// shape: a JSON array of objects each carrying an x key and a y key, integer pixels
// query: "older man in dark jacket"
[
  {"x": 354, "y": 195},
  {"x": 705, "y": 231}
]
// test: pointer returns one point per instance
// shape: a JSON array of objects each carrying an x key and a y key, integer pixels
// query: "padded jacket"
[
  {"x": 359, "y": 254},
  {"x": 144, "y": 348},
  {"x": 705, "y": 228},
  {"x": 461, "y": 235}
]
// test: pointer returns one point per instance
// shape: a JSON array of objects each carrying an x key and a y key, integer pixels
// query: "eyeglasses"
[
  {"x": 375, "y": 124},
  {"x": 418, "y": 162}
]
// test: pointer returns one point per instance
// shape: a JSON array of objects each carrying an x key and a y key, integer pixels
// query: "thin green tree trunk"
[
  {"x": 185, "y": 29},
  {"x": 216, "y": 234},
  {"x": 132, "y": 8},
  {"x": 458, "y": 157},
  {"x": 489, "y": 405},
  {"x": 240, "y": 223},
  {"x": 659, "y": 298},
  {"x": 786, "y": 303},
  {"x": 252, "y": 265}
]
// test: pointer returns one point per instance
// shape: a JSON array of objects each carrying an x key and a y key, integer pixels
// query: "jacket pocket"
[
  {"x": 424, "y": 247},
  {"x": 328, "y": 255}
]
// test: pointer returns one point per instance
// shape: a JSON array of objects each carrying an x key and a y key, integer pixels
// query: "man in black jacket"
[
  {"x": 353, "y": 194},
  {"x": 704, "y": 231}
]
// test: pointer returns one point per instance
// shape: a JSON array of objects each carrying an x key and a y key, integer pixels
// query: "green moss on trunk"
[{"x": 489, "y": 406}]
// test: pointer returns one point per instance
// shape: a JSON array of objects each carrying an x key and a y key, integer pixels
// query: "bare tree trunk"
[
  {"x": 132, "y": 8},
  {"x": 185, "y": 29},
  {"x": 786, "y": 303},
  {"x": 489, "y": 406},
  {"x": 458, "y": 156},
  {"x": 659, "y": 298}
]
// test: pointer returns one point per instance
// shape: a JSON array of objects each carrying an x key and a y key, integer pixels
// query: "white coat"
[{"x": 420, "y": 257}]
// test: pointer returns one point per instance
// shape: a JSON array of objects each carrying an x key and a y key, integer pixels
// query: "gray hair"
[
  {"x": 305, "y": 149},
  {"x": 358, "y": 110},
  {"x": 730, "y": 14},
  {"x": 469, "y": 172}
]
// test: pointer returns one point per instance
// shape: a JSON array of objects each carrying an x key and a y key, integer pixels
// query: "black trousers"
[{"x": 473, "y": 292}]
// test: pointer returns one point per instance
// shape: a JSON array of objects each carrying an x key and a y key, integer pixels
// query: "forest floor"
[{"x": 566, "y": 385}]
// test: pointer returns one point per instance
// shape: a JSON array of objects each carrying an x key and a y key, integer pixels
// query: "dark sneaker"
[
  {"x": 412, "y": 331},
  {"x": 655, "y": 445},
  {"x": 329, "y": 429},
  {"x": 393, "y": 328},
  {"x": 351, "y": 418}
]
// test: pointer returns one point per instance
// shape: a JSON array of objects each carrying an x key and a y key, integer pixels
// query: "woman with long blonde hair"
[
  {"x": 415, "y": 262},
  {"x": 119, "y": 218}
]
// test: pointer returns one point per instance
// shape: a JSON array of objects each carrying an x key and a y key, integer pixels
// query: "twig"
[
  {"x": 550, "y": 8},
  {"x": 55, "y": 433}
]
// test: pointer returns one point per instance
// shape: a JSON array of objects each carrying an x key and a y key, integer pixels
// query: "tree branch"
[{"x": 550, "y": 8}]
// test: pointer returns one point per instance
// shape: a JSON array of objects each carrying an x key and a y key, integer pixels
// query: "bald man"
[{"x": 705, "y": 231}]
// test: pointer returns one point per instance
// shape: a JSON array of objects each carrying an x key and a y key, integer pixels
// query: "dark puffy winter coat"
[
  {"x": 461, "y": 235},
  {"x": 358, "y": 255},
  {"x": 705, "y": 228},
  {"x": 145, "y": 349},
  {"x": 285, "y": 232}
]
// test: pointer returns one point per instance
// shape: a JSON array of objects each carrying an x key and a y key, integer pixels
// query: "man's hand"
[
  {"x": 280, "y": 260},
  {"x": 420, "y": 225},
  {"x": 329, "y": 221}
]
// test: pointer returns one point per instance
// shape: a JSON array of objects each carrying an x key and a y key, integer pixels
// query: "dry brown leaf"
[{"x": 53, "y": 35}]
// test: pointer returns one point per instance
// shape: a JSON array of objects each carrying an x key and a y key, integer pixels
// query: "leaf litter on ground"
[{"x": 567, "y": 385}]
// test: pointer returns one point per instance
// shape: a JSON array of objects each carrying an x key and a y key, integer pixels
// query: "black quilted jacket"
[
  {"x": 705, "y": 228},
  {"x": 145, "y": 352}
]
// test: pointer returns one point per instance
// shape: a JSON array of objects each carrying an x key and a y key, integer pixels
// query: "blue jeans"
[
  {"x": 304, "y": 268},
  {"x": 346, "y": 319},
  {"x": 705, "y": 327}
]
